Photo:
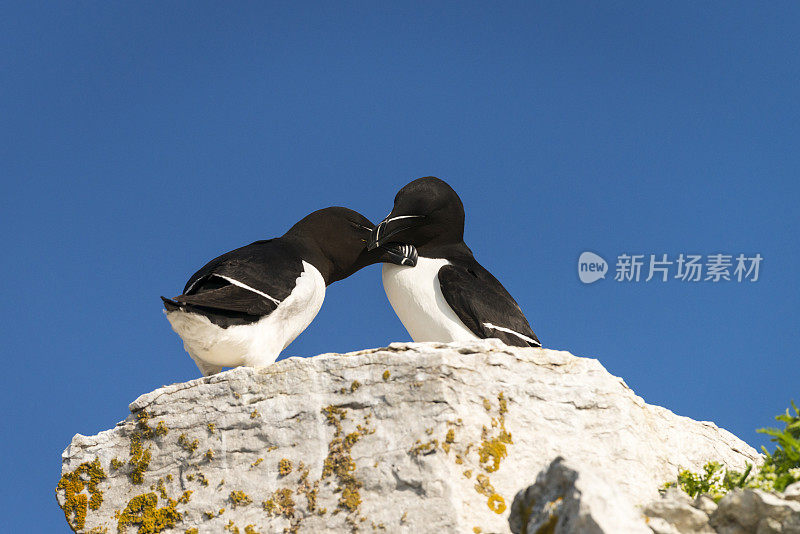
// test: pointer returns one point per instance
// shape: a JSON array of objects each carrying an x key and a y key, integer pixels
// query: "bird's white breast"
[
  {"x": 416, "y": 296},
  {"x": 258, "y": 343}
]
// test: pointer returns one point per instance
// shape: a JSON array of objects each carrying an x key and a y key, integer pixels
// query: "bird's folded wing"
[
  {"x": 256, "y": 277},
  {"x": 230, "y": 298},
  {"x": 484, "y": 305}
]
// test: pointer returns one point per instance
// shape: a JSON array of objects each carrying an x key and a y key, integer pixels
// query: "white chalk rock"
[
  {"x": 564, "y": 501},
  {"x": 752, "y": 511},
  {"x": 416, "y": 437}
]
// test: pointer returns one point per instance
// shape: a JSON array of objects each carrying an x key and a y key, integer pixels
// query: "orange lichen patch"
[
  {"x": 284, "y": 467},
  {"x": 496, "y": 503},
  {"x": 420, "y": 448},
  {"x": 76, "y": 503},
  {"x": 254, "y": 414},
  {"x": 483, "y": 486},
  {"x": 139, "y": 461},
  {"x": 250, "y": 529},
  {"x": 159, "y": 487},
  {"x": 192, "y": 530},
  {"x": 339, "y": 462},
  {"x": 493, "y": 446},
  {"x": 354, "y": 386},
  {"x": 492, "y": 451},
  {"x": 255, "y": 464},
  {"x": 143, "y": 510},
  {"x": 449, "y": 439},
  {"x": 140, "y": 457},
  {"x": 209, "y": 455},
  {"x": 280, "y": 503},
  {"x": 185, "y": 444},
  {"x": 310, "y": 490},
  {"x": 239, "y": 498},
  {"x": 386, "y": 375},
  {"x": 231, "y": 527},
  {"x": 503, "y": 404}
]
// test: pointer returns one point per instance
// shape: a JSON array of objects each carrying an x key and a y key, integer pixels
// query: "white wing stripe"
[
  {"x": 509, "y": 331},
  {"x": 245, "y": 286},
  {"x": 401, "y": 217}
]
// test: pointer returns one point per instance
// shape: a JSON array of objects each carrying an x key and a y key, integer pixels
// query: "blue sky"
[{"x": 140, "y": 140}]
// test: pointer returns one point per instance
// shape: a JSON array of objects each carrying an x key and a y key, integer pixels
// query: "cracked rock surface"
[{"x": 416, "y": 437}]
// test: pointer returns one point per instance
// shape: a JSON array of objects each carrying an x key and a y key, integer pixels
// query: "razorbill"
[
  {"x": 246, "y": 306},
  {"x": 447, "y": 296}
]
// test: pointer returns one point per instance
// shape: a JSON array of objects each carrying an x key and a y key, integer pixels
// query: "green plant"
[
  {"x": 780, "y": 468},
  {"x": 715, "y": 480}
]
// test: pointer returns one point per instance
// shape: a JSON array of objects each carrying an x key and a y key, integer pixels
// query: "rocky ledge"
[{"x": 416, "y": 437}]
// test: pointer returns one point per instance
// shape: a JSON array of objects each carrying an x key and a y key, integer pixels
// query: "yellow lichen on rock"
[
  {"x": 339, "y": 462},
  {"x": 280, "y": 503},
  {"x": 420, "y": 448},
  {"x": 496, "y": 503},
  {"x": 188, "y": 446},
  {"x": 141, "y": 456},
  {"x": 143, "y": 510},
  {"x": 284, "y": 467},
  {"x": 493, "y": 446},
  {"x": 239, "y": 498},
  {"x": 76, "y": 504}
]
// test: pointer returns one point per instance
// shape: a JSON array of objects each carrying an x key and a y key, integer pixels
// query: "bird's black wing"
[
  {"x": 484, "y": 305},
  {"x": 243, "y": 285}
]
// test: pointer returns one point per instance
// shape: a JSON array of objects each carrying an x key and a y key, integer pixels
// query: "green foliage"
[
  {"x": 715, "y": 480},
  {"x": 780, "y": 468}
]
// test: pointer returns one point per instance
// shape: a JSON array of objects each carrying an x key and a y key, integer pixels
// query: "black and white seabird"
[
  {"x": 246, "y": 306},
  {"x": 447, "y": 296}
]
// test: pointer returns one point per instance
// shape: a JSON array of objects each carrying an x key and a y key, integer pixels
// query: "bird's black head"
[
  {"x": 336, "y": 238},
  {"x": 427, "y": 212}
]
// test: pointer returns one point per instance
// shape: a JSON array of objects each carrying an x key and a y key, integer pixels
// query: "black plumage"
[
  {"x": 246, "y": 284},
  {"x": 428, "y": 214}
]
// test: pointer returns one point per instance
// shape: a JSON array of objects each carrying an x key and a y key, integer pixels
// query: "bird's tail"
[{"x": 170, "y": 305}]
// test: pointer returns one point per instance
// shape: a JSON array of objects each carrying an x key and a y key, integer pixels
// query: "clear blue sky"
[{"x": 139, "y": 140}]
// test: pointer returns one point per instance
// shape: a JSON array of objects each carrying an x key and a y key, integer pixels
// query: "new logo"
[{"x": 591, "y": 267}]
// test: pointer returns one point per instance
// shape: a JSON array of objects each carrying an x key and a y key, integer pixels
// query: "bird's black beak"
[
  {"x": 400, "y": 254},
  {"x": 390, "y": 226}
]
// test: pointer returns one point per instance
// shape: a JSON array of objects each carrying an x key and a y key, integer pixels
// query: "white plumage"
[
  {"x": 257, "y": 344},
  {"x": 416, "y": 296}
]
